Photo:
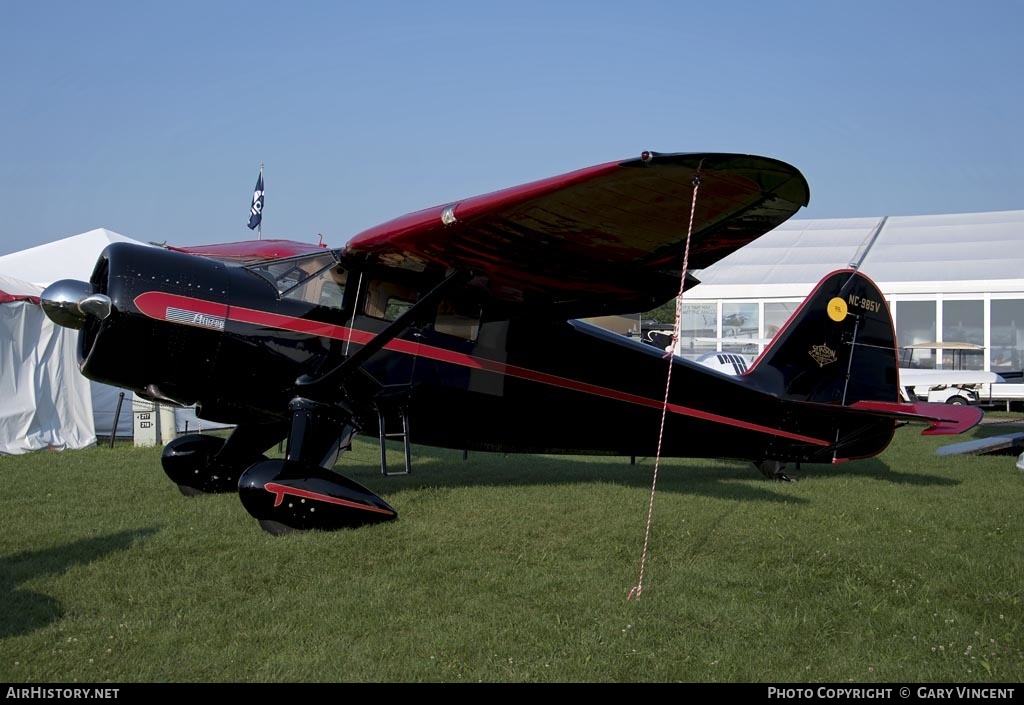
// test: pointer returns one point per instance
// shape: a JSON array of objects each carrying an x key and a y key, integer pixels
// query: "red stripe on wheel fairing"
[{"x": 280, "y": 491}]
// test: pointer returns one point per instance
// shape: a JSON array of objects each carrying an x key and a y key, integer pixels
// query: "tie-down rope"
[{"x": 638, "y": 589}]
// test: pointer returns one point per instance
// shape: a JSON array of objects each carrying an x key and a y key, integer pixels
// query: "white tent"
[
  {"x": 52, "y": 355},
  {"x": 69, "y": 258},
  {"x": 951, "y": 253},
  {"x": 44, "y": 401}
]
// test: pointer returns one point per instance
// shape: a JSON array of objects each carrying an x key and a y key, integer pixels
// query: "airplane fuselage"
[{"x": 223, "y": 337}]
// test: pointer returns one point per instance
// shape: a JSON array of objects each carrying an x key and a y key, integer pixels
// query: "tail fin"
[
  {"x": 835, "y": 366},
  {"x": 838, "y": 348}
]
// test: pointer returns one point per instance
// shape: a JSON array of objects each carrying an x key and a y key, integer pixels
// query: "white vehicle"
[{"x": 948, "y": 386}]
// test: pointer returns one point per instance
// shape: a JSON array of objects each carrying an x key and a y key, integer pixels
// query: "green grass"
[{"x": 907, "y": 567}]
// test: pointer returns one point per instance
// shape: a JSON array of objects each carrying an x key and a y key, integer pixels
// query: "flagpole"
[{"x": 259, "y": 227}]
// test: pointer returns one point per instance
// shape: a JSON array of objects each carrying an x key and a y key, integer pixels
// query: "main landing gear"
[
  {"x": 301, "y": 492},
  {"x": 298, "y": 492}
]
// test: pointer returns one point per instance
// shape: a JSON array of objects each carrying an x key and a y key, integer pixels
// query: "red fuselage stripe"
[
  {"x": 154, "y": 304},
  {"x": 280, "y": 491}
]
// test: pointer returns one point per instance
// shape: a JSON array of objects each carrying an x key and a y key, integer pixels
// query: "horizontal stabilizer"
[{"x": 944, "y": 419}]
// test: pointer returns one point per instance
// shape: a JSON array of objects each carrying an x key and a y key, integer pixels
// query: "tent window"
[
  {"x": 1007, "y": 353},
  {"x": 775, "y": 316},
  {"x": 698, "y": 328},
  {"x": 963, "y": 322},
  {"x": 915, "y": 323},
  {"x": 739, "y": 328}
]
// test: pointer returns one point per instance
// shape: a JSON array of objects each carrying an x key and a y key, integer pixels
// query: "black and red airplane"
[{"x": 458, "y": 325}]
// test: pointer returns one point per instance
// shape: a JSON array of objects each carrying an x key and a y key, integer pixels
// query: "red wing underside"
[{"x": 609, "y": 235}]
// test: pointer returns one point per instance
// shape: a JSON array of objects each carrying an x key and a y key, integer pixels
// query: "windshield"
[
  {"x": 286, "y": 274},
  {"x": 316, "y": 279}
]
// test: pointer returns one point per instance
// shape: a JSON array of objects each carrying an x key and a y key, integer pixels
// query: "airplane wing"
[
  {"x": 604, "y": 239},
  {"x": 1003, "y": 445}
]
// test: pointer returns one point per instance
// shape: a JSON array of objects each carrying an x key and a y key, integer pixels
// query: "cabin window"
[
  {"x": 388, "y": 300},
  {"x": 459, "y": 319}
]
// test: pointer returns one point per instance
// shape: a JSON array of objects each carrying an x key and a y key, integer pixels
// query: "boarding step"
[{"x": 393, "y": 409}]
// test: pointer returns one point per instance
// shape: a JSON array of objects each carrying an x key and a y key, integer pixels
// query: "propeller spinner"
[{"x": 69, "y": 303}]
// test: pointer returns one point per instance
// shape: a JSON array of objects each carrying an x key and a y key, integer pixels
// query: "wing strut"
[{"x": 394, "y": 329}]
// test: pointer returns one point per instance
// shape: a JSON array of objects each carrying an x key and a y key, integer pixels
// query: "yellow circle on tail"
[{"x": 837, "y": 309}]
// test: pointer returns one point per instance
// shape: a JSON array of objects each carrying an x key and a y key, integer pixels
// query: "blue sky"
[{"x": 152, "y": 119}]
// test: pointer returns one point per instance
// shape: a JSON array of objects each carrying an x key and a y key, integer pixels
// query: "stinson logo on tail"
[{"x": 822, "y": 354}]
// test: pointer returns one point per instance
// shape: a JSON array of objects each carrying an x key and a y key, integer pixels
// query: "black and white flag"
[{"x": 256, "y": 210}]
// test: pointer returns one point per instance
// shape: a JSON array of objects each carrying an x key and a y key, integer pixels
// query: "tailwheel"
[
  {"x": 774, "y": 470},
  {"x": 290, "y": 495}
]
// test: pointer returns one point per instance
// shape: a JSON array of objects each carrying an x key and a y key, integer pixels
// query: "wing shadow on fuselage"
[{"x": 26, "y": 611}]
